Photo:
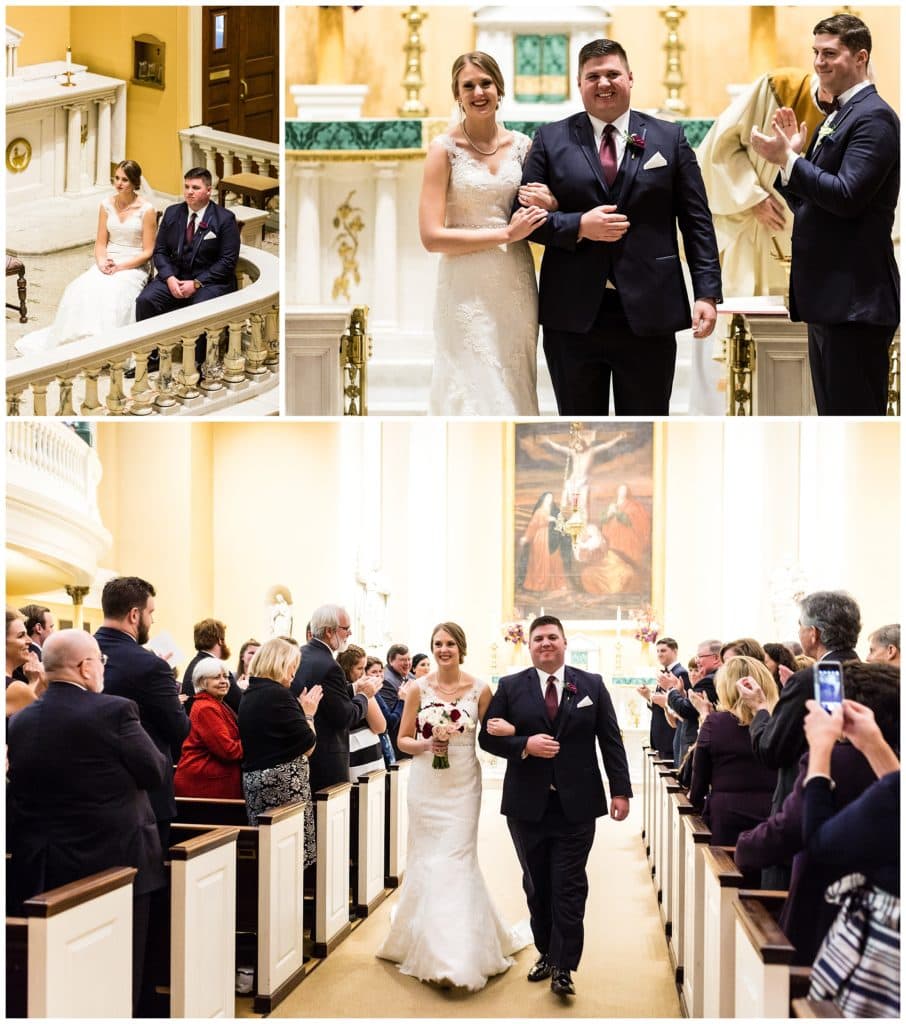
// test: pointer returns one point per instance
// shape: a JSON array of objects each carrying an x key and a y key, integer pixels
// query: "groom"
[
  {"x": 195, "y": 253},
  {"x": 612, "y": 291},
  {"x": 553, "y": 792}
]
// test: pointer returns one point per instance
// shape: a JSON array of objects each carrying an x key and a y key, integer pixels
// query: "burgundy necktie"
[
  {"x": 190, "y": 229},
  {"x": 608, "y": 155},
  {"x": 550, "y": 698}
]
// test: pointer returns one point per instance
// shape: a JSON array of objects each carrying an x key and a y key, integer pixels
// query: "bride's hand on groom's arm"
[
  {"x": 534, "y": 193},
  {"x": 524, "y": 221}
]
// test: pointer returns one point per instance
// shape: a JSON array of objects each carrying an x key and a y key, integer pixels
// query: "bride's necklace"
[
  {"x": 448, "y": 690},
  {"x": 123, "y": 206},
  {"x": 476, "y": 147}
]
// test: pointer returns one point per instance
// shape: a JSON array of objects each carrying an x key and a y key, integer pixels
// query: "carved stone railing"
[
  {"x": 50, "y": 459},
  {"x": 201, "y": 146},
  {"x": 89, "y": 377}
]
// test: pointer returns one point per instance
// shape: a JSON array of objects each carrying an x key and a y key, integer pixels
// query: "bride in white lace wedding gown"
[
  {"x": 104, "y": 296},
  {"x": 445, "y": 927},
  {"x": 486, "y": 312}
]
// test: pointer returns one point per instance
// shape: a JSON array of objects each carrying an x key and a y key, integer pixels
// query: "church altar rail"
[
  {"x": 332, "y": 824},
  {"x": 697, "y": 837},
  {"x": 78, "y": 945},
  {"x": 200, "y": 146},
  {"x": 202, "y": 924},
  {"x": 368, "y": 818},
  {"x": 763, "y": 958},
  {"x": 680, "y": 807},
  {"x": 52, "y": 452},
  {"x": 722, "y": 881},
  {"x": 269, "y": 887},
  {"x": 42, "y": 384},
  {"x": 314, "y": 377},
  {"x": 397, "y": 823}
]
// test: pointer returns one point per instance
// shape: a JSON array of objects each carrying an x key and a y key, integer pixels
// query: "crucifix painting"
[{"x": 582, "y": 518}]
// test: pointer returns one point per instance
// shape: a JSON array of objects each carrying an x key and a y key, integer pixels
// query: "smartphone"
[{"x": 829, "y": 684}]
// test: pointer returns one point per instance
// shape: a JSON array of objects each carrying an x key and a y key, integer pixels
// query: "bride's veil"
[{"x": 153, "y": 198}]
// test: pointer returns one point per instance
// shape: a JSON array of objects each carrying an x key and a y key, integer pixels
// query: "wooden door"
[{"x": 240, "y": 91}]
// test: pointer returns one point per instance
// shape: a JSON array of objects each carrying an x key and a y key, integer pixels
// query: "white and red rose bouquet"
[{"x": 438, "y": 722}]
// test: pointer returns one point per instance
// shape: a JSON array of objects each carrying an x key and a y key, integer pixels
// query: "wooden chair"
[{"x": 15, "y": 266}]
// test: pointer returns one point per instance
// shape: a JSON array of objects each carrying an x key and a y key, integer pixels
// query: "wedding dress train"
[
  {"x": 444, "y": 926},
  {"x": 95, "y": 302},
  {"x": 486, "y": 313}
]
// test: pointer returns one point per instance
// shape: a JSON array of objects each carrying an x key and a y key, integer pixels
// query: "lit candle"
[{"x": 68, "y": 57}]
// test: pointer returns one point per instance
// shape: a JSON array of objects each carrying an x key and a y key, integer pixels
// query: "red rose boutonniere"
[
  {"x": 570, "y": 688},
  {"x": 635, "y": 143}
]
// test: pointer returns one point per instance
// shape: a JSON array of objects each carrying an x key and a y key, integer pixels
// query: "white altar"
[{"x": 61, "y": 140}]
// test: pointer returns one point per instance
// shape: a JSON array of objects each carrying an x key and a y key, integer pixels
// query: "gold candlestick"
[
  {"x": 673, "y": 80},
  {"x": 413, "y": 82},
  {"x": 69, "y": 82}
]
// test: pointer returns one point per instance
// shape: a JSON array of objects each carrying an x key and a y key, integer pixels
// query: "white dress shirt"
[
  {"x": 558, "y": 676},
  {"x": 619, "y": 136}
]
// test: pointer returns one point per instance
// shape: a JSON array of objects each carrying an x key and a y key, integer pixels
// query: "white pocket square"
[
  {"x": 656, "y": 160},
  {"x": 210, "y": 234},
  {"x": 585, "y": 702}
]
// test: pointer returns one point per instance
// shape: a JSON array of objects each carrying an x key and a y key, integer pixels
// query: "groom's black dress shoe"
[
  {"x": 541, "y": 970},
  {"x": 562, "y": 983}
]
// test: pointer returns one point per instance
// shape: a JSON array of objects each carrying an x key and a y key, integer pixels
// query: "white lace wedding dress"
[
  {"x": 94, "y": 302},
  {"x": 486, "y": 314},
  {"x": 444, "y": 926}
]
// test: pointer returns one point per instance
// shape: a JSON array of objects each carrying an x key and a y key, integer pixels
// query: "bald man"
[{"x": 80, "y": 766}]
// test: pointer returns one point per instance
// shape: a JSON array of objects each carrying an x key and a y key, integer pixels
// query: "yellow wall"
[
  {"x": 101, "y": 38},
  {"x": 715, "y": 39}
]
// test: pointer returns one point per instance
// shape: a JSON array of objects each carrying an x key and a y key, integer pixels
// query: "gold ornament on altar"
[
  {"x": 349, "y": 224},
  {"x": 413, "y": 82},
  {"x": 18, "y": 155},
  {"x": 673, "y": 77},
  {"x": 355, "y": 351}
]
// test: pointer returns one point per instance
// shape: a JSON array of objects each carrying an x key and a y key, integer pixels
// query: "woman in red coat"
[{"x": 211, "y": 761}]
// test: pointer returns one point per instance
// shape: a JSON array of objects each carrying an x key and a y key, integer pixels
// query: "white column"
[
  {"x": 307, "y": 285},
  {"x": 385, "y": 302},
  {"x": 73, "y": 147},
  {"x": 102, "y": 161},
  {"x": 210, "y": 161}
]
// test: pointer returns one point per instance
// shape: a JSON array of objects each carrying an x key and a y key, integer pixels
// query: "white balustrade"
[
  {"x": 52, "y": 454},
  {"x": 43, "y": 384},
  {"x": 200, "y": 146}
]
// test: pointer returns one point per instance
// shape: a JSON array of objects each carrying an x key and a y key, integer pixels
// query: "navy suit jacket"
[
  {"x": 338, "y": 713},
  {"x": 574, "y": 771},
  {"x": 843, "y": 195},
  {"x": 80, "y": 768},
  {"x": 645, "y": 264},
  {"x": 133, "y": 671},
  {"x": 212, "y": 260}
]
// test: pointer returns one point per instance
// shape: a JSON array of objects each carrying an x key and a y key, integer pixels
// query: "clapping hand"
[
  {"x": 367, "y": 685},
  {"x": 33, "y": 671},
  {"x": 645, "y": 691},
  {"x": 787, "y": 138},
  {"x": 500, "y": 727},
  {"x": 310, "y": 698},
  {"x": 784, "y": 674},
  {"x": 701, "y": 703},
  {"x": 751, "y": 693},
  {"x": 668, "y": 681}
]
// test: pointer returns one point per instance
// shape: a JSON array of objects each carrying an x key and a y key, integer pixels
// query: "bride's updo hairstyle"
[
  {"x": 132, "y": 171},
  {"x": 485, "y": 62},
  {"x": 458, "y": 636}
]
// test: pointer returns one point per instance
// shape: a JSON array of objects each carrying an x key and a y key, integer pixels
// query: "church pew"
[
  {"x": 397, "y": 823},
  {"x": 653, "y": 782},
  {"x": 722, "y": 880},
  {"x": 646, "y": 765},
  {"x": 696, "y": 839},
  {"x": 269, "y": 890},
  {"x": 763, "y": 956},
  {"x": 368, "y": 812},
  {"x": 210, "y": 811},
  {"x": 669, "y": 786},
  {"x": 71, "y": 954},
  {"x": 680, "y": 808},
  {"x": 332, "y": 823},
  {"x": 815, "y": 1009},
  {"x": 662, "y": 773}
]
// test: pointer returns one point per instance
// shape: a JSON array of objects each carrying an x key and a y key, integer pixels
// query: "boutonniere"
[
  {"x": 203, "y": 226},
  {"x": 570, "y": 688},
  {"x": 635, "y": 142},
  {"x": 826, "y": 131}
]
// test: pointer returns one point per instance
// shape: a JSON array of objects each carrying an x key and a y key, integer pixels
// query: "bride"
[
  {"x": 486, "y": 312},
  {"x": 104, "y": 296},
  {"x": 445, "y": 928}
]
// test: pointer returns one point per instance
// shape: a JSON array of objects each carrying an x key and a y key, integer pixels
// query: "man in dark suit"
[
  {"x": 39, "y": 624},
  {"x": 195, "y": 253},
  {"x": 662, "y": 733},
  {"x": 829, "y": 627},
  {"x": 612, "y": 290},
  {"x": 708, "y": 658},
  {"x": 210, "y": 642},
  {"x": 135, "y": 672},
  {"x": 553, "y": 791},
  {"x": 80, "y": 768},
  {"x": 393, "y": 694},
  {"x": 842, "y": 189},
  {"x": 342, "y": 706}
]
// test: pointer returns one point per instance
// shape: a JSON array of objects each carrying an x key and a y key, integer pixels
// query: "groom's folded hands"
[
  {"x": 541, "y": 745},
  {"x": 603, "y": 224}
]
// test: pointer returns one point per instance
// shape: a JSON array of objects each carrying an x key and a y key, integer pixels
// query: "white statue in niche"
[{"x": 280, "y": 612}]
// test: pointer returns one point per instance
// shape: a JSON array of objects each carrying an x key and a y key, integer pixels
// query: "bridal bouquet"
[{"x": 439, "y": 722}]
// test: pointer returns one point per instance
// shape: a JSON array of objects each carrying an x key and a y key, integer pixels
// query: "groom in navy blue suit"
[
  {"x": 553, "y": 791},
  {"x": 842, "y": 189},
  {"x": 612, "y": 290}
]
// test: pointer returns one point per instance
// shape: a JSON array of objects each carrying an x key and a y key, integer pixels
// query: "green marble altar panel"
[{"x": 541, "y": 63}]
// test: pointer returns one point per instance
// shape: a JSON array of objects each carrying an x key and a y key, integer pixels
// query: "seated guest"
[
  {"x": 210, "y": 762},
  {"x": 780, "y": 661},
  {"x": 365, "y": 753},
  {"x": 733, "y": 787},
  {"x": 806, "y": 916},
  {"x": 421, "y": 665},
  {"x": 19, "y": 658},
  {"x": 884, "y": 644},
  {"x": 858, "y": 964},
  {"x": 277, "y": 734},
  {"x": 246, "y": 652},
  {"x": 80, "y": 768},
  {"x": 210, "y": 642}
]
